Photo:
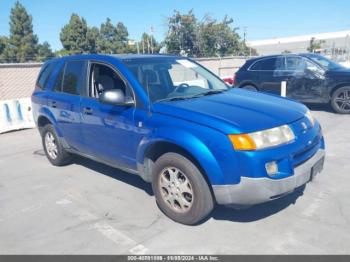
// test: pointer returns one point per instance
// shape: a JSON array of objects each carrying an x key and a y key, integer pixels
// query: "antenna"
[
  {"x": 244, "y": 33},
  {"x": 149, "y": 98}
]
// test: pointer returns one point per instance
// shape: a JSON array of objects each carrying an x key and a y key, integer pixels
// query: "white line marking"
[
  {"x": 31, "y": 208},
  {"x": 39, "y": 187},
  {"x": 139, "y": 250},
  {"x": 86, "y": 216},
  {"x": 63, "y": 202},
  {"x": 113, "y": 234}
]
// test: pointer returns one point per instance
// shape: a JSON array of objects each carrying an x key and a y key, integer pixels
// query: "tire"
[
  {"x": 340, "y": 100},
  {"x": 176, "y": 201},
  {"x": 250, "y": 87},
  {"x": 54, "y": 151}
]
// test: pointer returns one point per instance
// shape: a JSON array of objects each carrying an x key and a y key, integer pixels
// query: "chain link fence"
[{"x": 18, "y": 80}]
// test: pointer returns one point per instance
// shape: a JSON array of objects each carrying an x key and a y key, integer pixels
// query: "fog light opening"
[{"x": 271, "y": 168}]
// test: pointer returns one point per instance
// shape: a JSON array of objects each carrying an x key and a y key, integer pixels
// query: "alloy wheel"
[
  {"x": 343, "y": 100},
  {"x": 176, "y": 189},
  {"x": 51, "y": 145}
]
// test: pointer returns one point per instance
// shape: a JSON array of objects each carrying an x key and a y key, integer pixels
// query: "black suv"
[{"x": 310, "y": 78}]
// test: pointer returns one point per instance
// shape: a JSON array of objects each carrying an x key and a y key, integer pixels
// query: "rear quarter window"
[
  {"x": 59, "y": 79},
  {"x": 44, "y": 76}
]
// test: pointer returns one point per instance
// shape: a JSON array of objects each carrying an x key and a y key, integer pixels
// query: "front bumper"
[{"x": 252, "y": 191}]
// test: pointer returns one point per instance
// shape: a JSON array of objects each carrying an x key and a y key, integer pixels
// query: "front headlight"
[
  {"x": 263, "y": 139},
  {"x": 310, "y": 117}
]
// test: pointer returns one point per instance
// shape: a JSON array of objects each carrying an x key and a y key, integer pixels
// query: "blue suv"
[{"x": 179, "y": 127}]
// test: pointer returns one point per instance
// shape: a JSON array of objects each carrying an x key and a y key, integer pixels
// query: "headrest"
[
  {"x": 106, "y": 82},
  {"x": 149, "y": 76}
]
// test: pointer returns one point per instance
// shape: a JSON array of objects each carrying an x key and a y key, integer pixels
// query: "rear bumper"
[{"x": 252, "y": 191}]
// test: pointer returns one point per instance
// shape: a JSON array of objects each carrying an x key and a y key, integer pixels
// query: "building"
[{"x": 335, "y": 45}]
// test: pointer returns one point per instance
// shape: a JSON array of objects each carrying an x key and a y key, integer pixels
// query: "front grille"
[
  {"x": 302, "y": 129},
  {"x": 305, "y": 155}
]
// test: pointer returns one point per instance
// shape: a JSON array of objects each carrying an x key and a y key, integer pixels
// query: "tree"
[
  {"x": 315, "y": 45},
  {"x": 121, "y": 39},
  {"x": 92, "y": 36},
  {"x": 22, "y": 43},
  {"x": 3, "y": 43},
  {"x": 182, "y": 34},
  {"x": 73, "y": 35},
  {"x": 206, "y": 38},
  {"x": 44, "y": 52},
  {"x": 114, "y": 39},
  {"x": 220, "y": 38},
  {"x": 149, "y": 45},
  {"x": 107, "y": 38}
]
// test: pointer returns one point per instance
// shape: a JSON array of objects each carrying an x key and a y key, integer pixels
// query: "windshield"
[
  {"x": 173, "y": 78},
  {"x": 325, "y": 62}
]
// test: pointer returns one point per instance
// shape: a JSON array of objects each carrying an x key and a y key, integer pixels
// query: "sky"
[{"x": 262, "y": 19}]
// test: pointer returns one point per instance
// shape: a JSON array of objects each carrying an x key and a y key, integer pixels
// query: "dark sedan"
[{"x": 310, "y": 78}]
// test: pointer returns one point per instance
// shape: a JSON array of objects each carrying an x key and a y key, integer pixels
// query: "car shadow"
[
  {"x": 131, "y": 179},
  {"x": 321, "y": 107},
  {"x": 220, "y": 212},
  {"x": 257, "y": 212}
]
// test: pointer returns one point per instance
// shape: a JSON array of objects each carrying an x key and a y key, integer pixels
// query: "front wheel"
[
  {"x": 180, "y": 189},
  {"x": 341, "y": 100}
]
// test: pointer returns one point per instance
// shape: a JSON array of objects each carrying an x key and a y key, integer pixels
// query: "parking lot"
[{"x": 89, "y": 208}]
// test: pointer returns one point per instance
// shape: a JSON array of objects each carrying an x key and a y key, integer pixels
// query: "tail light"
[{"x": 233, "y": 80}]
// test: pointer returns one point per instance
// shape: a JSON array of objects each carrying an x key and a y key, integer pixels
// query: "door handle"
[
  {"x": 53, "y": 104},
  {"x": 87, "y": 111}
]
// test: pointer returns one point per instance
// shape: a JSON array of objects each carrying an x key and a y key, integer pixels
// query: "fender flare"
[
  {"x": 187, "y": 141},
  {"x": 45, "y": 112}
]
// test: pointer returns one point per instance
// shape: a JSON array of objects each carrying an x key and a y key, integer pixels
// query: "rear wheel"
[
  {"x": 341, "y": 100},
  {"x": 54, "y": 151},
  {"x": 180, "y": 189},
  {"x": 250, "y": 87}
]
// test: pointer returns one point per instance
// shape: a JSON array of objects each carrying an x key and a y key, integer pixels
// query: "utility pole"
[
  {"x": 244, "y": 33},
  {"x": 137, "y": 47},
  {"x": 151, "y": 36}
]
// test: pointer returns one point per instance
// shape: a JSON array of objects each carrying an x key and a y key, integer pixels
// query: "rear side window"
[
  {"x": 269, "y": 64},
  {"x": 294, "y": 63},
  {"x": 44, "y": 76},
  {"x": 74, "y": 76}
]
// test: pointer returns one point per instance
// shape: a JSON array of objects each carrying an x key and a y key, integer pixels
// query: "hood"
[
  {"x": 235, "y": 111},
  {"x": 339, "y": 71}
]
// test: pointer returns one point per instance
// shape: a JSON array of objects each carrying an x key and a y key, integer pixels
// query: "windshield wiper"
[
  {"x": 174, "y": 98},
  {"x": 211, "y": 92}
]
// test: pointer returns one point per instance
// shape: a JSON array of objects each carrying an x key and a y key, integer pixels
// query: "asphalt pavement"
[{"x": 90, "y": 208}]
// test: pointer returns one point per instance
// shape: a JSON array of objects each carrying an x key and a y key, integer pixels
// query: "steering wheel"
[{"x": 183, "y": 85}]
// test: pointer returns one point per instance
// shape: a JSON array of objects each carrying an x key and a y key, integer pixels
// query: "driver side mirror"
[
  {"x": 115, "y": 97},
  {"x": 315, "y": 72}
]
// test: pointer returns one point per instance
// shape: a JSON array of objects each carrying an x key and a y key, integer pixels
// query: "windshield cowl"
[{"x": 207, "y": 93}]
